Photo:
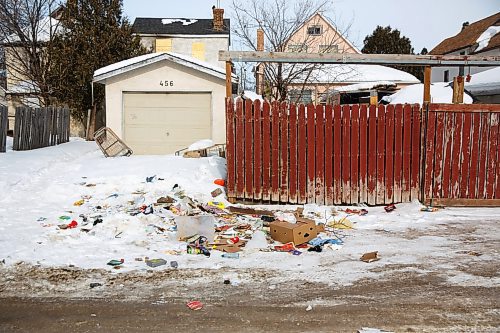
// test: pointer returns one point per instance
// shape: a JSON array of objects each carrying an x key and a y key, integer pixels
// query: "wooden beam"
[
  {"x": 427, "y": 85},
  {"x": 229, "y": 84},
  {"x": 464, "y": 107},
  {"x": 374, "y": 59},
  {"x": 463, "y": 202}
]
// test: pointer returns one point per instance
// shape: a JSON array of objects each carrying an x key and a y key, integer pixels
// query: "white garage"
[{"x": 162, "y": 102}]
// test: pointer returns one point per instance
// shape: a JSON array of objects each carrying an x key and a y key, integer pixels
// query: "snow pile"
[
  {"x": 486, "y": 36},
  {"x": 202, "y": 144},
  {"x": 441, "y": 92},
  {"x": 183, "y": 21}
]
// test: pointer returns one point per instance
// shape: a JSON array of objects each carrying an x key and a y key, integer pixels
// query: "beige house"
[
  {"x": 319, "y": 35},
  {"x": 199, "y": 38},
  {"x": 162, "y": 102}
]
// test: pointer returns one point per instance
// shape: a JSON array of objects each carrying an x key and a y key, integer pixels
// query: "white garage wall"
[{"x": 148, "y": 78}]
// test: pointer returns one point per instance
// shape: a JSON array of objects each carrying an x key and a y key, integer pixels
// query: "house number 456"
[{"x": 166, "y": 83}]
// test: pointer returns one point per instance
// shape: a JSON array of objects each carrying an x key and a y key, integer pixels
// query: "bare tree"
[
  {"x": 26, "y": 29},
  {"x": 281, "y": 20}
]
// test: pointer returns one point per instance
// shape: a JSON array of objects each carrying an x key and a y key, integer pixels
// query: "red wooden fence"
[
  {"x": 286, "y": 153},
  {"x": 462, "y": 156}
]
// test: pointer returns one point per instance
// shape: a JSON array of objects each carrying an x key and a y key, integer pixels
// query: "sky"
[{"x": 425, "y": 22}]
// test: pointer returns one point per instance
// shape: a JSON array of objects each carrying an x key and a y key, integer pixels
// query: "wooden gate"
[
  {"x": 286, "y": 153},
  {"x": 462, "y": 156}
]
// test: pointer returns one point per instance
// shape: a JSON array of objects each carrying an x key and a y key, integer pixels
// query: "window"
[
  {"x": 446, "y": 76},
  {"x": 297, "y": 48},
  {"x": 315, "y": 30},
  {"x": 198, "y": 51},
  {"x": 328, "y": 49},
  {"x": 163, "y": 45},
  {"x": 299, "y": 96}
]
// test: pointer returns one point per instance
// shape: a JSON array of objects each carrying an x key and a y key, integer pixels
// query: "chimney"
[
  {"x": 260, "y": 40},
  {"x": 465, "y": 25},
  {"x": 218, "y": 18}
]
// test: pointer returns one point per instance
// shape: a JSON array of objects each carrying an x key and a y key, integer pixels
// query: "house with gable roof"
[
  {"x": 319, "y": 35},
  {"x": 198, "y": 38},
  {"x": 477, "y": 38}
]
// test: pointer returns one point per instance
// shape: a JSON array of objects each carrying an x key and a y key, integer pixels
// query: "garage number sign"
[{"x": 166, "y": 83}]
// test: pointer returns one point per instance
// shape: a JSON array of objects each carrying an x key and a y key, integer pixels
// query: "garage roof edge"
[{"x": 121, "y": 67}]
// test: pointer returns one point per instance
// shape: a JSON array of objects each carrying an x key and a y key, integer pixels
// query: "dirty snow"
[
  {"x": 183, "y": 21},
  {"x": 40, "y": 186},
  {"x": 484, "y": 39},
  {"x": 441, "y": 92}
]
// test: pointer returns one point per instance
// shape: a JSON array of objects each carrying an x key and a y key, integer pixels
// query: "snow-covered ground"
[{"x": 38, "y": 187}]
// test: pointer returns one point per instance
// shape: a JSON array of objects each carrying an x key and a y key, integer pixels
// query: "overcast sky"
[{"x": 425, "y": 22}]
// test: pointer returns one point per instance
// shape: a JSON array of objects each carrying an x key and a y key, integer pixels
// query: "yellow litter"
[
  {"x": 79, "y": 202},
  {"x": 343, "y": 223}
]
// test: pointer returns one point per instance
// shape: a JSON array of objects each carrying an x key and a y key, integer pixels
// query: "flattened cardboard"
[
  {"x": 298, "y": 233},
  {"x": 370, "y": 257}
]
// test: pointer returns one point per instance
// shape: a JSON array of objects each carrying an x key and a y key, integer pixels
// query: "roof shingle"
[
  {"x": 179, "y": 26},
  {"x": 469, "y": 35}
]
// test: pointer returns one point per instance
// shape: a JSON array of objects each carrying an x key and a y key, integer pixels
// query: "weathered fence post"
[{"x": 4, "y": 121}]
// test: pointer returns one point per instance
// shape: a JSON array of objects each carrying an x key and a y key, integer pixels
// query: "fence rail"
[
  {"x": 346, "y": 154},
  {"x": 37, "y": 128},
  {"x": 4, "y": 124}
]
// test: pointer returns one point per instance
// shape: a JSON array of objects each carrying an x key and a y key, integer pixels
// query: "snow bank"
[{"x": 441, "y": 92}]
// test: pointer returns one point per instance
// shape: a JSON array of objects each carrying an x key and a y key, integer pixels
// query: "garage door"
[{"x": 162, "y": 123}]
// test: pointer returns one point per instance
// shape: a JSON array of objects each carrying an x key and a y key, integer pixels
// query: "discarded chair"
[{"x": 110, "y": 144}]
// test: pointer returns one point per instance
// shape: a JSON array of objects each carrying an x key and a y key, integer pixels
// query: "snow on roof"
[
  {"x": 365, "y": 86},
  {"x": 486, "y": 82},
  {"x": 358, "y": 73},
  {"x": 183, "y": 21},
  {"x": 441, "y": 92},
  {"x": 248, "y": 94},
  {"x": 125, "y": 63},
  {"x": 146, "y": 59},
  {"x": 484, "y": 39}
]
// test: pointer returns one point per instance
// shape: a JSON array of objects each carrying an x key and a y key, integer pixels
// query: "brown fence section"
[
  {"x": 4, "y": 124},
  {"x": 37, "y": 128},
  {"x": 286, "y": 153},
  {"x": 462, "y": 156}
]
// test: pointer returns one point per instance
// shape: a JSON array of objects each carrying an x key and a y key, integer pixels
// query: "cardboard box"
[{"x": 298, "y": 233}]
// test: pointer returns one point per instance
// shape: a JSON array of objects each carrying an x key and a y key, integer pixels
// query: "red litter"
[
  {"x": 72, "y": 225},
  {"x": 389, "y": 208},
  {"x": 233, "y": 240},
  {"x": 195, "y": 305}
]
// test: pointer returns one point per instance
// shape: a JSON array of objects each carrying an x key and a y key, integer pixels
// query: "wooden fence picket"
[
  {"x": 4, "y": 124},
  {"x": 350, "y": 154}
]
